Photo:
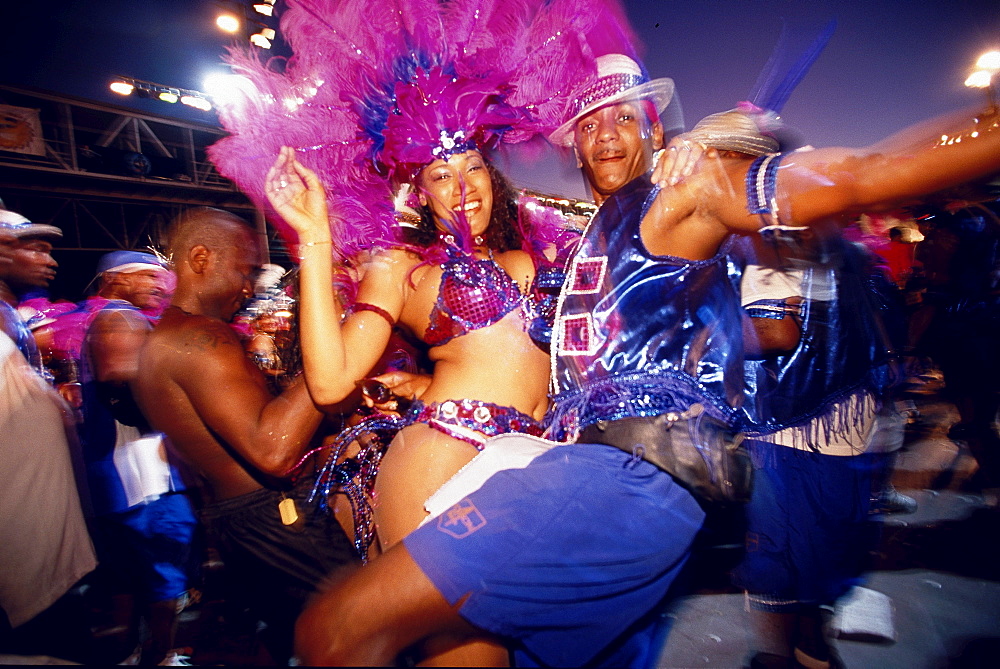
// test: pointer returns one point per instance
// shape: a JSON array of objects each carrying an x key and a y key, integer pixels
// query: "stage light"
[
  {"x": 263, "y": 38},
  {"x": 122, "y": 87},
  {"x": 228, "y": 23},
  {"x": 979, "y": 79},
  {"x": 989, "y": 61},
  {"x": 988, "y": 66},
  {"x": 226, "y": 90},
  {"x": 196, "y": 102},
  {"x": 266, "y": 8},
  {"x": 169, "y": 96}
]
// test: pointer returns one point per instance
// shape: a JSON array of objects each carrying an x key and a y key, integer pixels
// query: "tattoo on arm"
[{"x": 212, "y": 338}]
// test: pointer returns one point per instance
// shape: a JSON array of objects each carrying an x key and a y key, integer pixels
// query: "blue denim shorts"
[{"x": 562, "y": 556}]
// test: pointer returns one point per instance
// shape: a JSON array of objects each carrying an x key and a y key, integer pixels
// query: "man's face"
[
  {"x": 33, "y": 265},
  {"x": 145, "y": 288},
  {"x": 614, "y": 145},
  {"x": 8, "y": 242},
  {"x": 235, "y": 269}
]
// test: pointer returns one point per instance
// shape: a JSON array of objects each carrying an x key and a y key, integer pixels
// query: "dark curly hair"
[{"x": 503, "y": 233}]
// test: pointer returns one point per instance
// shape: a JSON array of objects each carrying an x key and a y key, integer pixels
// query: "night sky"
[{"x": 890, "y": 62}]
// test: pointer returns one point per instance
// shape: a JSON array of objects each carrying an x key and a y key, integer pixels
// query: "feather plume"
[{"x": 378, "y": 87}]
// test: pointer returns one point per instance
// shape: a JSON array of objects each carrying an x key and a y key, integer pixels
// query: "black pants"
[{"x": 273, "y": 568}]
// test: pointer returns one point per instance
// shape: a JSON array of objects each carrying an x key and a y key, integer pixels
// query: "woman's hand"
[
  {"x": 398, "y": 386},
  {"x": 297, "y": 195},
  {"x": 678, "y": 160}
]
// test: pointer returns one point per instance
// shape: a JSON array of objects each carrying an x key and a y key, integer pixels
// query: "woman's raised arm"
[{"x": 334, "y": 355}]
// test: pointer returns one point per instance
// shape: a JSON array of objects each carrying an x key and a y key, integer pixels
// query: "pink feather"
[{"x": 516, "y": 64}]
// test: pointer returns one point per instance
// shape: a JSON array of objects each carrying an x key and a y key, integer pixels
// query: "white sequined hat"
[{"x": 620, "y": 78}]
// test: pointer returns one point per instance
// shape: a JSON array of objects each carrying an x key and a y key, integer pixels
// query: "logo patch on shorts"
[{"x": 461, "y": 520}]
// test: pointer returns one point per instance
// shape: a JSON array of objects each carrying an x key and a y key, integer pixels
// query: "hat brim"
[
  {"x": 660, "y": 91},
  {"x": 36, "y": 230},
  {"x": 130, "y": 267}
]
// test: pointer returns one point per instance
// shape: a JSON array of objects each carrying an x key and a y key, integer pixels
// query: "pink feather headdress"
[{"x": 377, "y": 89}]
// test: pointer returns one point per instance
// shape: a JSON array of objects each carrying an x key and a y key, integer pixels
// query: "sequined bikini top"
[{"x": 473, "y": 294}]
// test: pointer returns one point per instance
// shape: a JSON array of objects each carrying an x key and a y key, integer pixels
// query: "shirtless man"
[{"x": 196, "y": 385}]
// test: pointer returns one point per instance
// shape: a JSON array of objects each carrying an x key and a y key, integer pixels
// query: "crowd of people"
[{"x": 575, "y": 405}]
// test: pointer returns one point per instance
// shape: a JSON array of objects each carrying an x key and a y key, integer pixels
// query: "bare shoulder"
[
  {"x": 207, "y": 335},
  {"x": 395, "y": 267},
  {"x": 116, "y": 320},
  {"x": 395, "y": 259},
  {"x": 192, "y": 340}
]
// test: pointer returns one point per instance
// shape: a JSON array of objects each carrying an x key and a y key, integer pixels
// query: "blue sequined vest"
[{"x": 641, "y": 335}]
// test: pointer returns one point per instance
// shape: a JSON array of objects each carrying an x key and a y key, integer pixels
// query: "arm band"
[
  {"x": 365, "y": 306},
  {"x": 776, "y": 309}
]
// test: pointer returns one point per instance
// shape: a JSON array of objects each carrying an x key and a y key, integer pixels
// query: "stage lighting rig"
[
  {"x": 170, "y": 94},
  {"x": 238, "y": 15}
]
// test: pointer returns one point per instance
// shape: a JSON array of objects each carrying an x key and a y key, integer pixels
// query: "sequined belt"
[{"x": 472, "y": 421}]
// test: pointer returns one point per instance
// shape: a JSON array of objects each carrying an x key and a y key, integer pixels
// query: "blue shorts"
[
  {"x": 149, "y": 546},
  {"x": 564, "y": 555},
  {"x": 808, "y": 529}
]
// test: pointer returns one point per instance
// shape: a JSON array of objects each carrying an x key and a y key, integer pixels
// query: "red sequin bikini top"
[{"x": 473, "y": 294}]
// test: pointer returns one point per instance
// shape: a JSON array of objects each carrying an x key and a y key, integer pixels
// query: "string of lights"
[
  {"x": 171, "y": 94},
  {"x": 236, "y": 15}
]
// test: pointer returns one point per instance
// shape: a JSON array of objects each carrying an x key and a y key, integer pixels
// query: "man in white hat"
[
  {"x": 562, "y": 556},
  {"x": 32, "y": 266},
  {"x": 44, "y": 545}
]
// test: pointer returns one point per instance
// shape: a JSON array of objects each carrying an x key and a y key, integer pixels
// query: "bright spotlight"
[
  {"x": 264, "y": 8},
  {"x": 168, "y": 96},
  {"x": 196, "y": 102},
  {"x": 229, "y": 89},
  {"x": 122, "y": 87},
  {"x": 228, "y": 23},
  {"x": 989, "y": 61},
  {"x": 979, "y": 79}
]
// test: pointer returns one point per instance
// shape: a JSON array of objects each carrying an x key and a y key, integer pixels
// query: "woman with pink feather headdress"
[{"x": 415, "y": 94}]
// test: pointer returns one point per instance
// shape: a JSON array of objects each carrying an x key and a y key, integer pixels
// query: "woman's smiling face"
[{"x": 462, "y": 183}]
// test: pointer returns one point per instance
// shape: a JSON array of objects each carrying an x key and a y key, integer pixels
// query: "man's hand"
[{"x": 678, "y": 160}]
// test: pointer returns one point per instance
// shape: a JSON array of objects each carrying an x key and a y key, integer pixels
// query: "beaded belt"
[{"x": 478, "y": 421}]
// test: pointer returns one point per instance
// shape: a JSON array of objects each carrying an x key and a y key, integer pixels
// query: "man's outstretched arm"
[{"x": 815, "y": 185}]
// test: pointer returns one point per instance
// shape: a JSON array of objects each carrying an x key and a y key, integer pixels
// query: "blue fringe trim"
[
  {"x": 355, "y": 477},
  {"x": 638, "y": 394}
]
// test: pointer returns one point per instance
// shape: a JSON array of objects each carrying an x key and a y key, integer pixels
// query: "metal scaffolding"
[{"x": 109, "y": 177}]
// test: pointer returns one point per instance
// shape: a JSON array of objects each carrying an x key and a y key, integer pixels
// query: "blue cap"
[{"x": 128, "y": 261}]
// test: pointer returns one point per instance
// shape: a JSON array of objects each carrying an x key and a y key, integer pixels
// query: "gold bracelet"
[{"x": 309, "y": 244}]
